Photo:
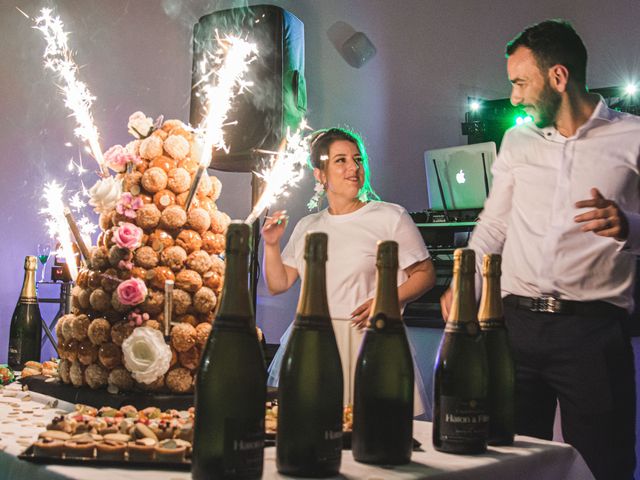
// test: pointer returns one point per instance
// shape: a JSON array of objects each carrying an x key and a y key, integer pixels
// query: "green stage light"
[
  {"x": 630, "y": 89},
  {"x": 474, "y": 106}
]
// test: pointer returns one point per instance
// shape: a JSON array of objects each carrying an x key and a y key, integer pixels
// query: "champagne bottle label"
[
  {"x": 330, "y": 450},
  {"x": 244, "y": 445},
  {"x": 463, "y": 420},
  {"x": 14, "y": 354},
  {"x": 313, "y": 322}
]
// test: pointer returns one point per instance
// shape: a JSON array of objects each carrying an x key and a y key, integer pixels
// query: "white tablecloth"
[{"x": 21, "y": 419}]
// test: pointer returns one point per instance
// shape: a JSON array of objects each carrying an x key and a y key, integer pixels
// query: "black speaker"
[{"x": 278, "y": 97}]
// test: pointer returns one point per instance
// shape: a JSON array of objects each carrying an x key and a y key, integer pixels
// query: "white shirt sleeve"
[
  {"x": 490, "y": 232},
  {"x": 290, "y": 252},
  {"x": 411, "y": 247}
]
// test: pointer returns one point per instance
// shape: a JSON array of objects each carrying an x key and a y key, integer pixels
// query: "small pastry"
[
  {"x": 179, "y": 180},
  {"x": 189, "y": 164},
  {"x": 104, "y": 222},
  {"x": 215, "y": 243},
  {"x": 83, "y": 298},
  {"x": 99, "y": 258},
  {"x": 116, "y": 255},
  {"x": 131, "y": 182},
  {"x": 96, "y": 376},
  {"x": 173, "y": 257},
  {"x": 199, "y": 220},
  {"x": 87, "y": 352},
  {"x": 55, "y": 434},
  {"x": 216, "y": 189},
  {"x": 142, "y": 431},
  {"x": 100, "y": 301},
  {"x": 137, "y": 272},
  {"x": 208, "y": 205},
  {"x": 146, "y": 257},
  {"x": 181, "y": 301},
  {"x": 190, "y": 359},
  {"x": 76, "y": 374},
  {"x": 165, "y": 163},
  {"x": 109, "y": 281},
  {"x": 202, "y": 333},
  {"x": 48, "y": 447},
  {"x": 188, "y": 280},
  {"x": 80, "y": 326},
  {"x": 110, "y": 355},
  {"x": 151, "y": 147},
  {"x": 154, "y": 179},
  {"x": 71, "y": 350},
  {"x": 154, "y": 302},
  {"x": 120, "y": 379},
  {"x": 183, "y": 337},
  {"x": 141, "y": 450},
  {"x": 204, "y": 300},
  {"x": 159, "y": 240},
  {"x": 118, "y": 437},
  {"x": 94, "y": 279},
  {"x": 204, "y": 187},
  {"x": 190, "y": 240},
  {"x": 151, "y": 324},
  {"x": 117, "y": 305},
  {"x": 176, "y": 146},
  {"x": 157, "y": 277},
  {"x": 155, "y": 386},
  {"x": 99, "y": 331},
  {"x": 60, "y": 424},
  {"x": 188, "y": 318},
  {"x": 164, "y": 199},
  {"x": 219, "y": 221},
  {"x": 111, "y": 450},
  {"x": 173, "y": 217},
  {"x": 181, "y": 199},
  {"x": 63, "y": 370},
  {"x": 213, "y": 281},
  {"x": 179, "y": 380},
  {"x": 120, "y": 331},
  {"x": 217, "y": 265},
  {"x": 148, "y": 217}
]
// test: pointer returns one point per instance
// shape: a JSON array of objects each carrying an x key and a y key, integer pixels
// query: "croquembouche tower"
[{"x": 143, "y": 306}]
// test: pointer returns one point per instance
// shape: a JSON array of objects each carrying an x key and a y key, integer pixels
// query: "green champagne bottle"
[
  {"x": 501, "y": 366},
  {"x": 25, "y": 332},
  {"x": 309, "y": 436},
  {"x": 231, "y": 389},
  {"x": 383, "y": 406},
  {"x": 460, "y": 410}
]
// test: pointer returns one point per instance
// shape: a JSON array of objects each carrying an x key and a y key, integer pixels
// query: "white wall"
[{"x": 411, "y": 96}]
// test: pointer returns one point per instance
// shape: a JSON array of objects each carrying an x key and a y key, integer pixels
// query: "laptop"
[{"x": 459, "y": 178}]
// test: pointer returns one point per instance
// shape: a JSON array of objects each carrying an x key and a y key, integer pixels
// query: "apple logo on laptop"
[{"x": 460, "y": 177}]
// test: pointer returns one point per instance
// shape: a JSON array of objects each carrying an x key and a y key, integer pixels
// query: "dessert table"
[{"x": 23, "y": 415}]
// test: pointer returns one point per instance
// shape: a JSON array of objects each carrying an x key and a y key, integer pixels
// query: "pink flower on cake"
[
  {"x": 127, "y": 235},
  {"x": 136, "y": 318},
  {"x": 117, "y": 158},
  {"x": 132, "y": 291},
  {"x": 128, "y": 204}
]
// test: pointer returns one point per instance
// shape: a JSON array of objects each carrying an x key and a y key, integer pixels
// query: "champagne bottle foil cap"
[
  {"x": 387, "y": 256},
  {"x": 30, "y": 262},
  {"x": 315, "y": 247},
  {"x": 464, "y": 260},
  {"x": 491, "y": 264},
  {"x": 238, "y": 235}
]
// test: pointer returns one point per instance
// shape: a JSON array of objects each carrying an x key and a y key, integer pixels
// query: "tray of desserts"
[{"x": 124, "y": 437}]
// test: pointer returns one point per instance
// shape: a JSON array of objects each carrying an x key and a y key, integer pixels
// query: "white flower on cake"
[
  {"x": 140, "y": 125},
  {"x": 104, "y": 194},
  {"x": 146, "y": 355}
]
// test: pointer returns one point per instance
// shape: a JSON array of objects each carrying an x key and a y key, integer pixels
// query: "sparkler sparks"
[
  {"x": 59, "y": 59},
  {"x": 286, "y": 169},
  {"x": 229, "y": 64},
  {"x": 57, "y": 223}
]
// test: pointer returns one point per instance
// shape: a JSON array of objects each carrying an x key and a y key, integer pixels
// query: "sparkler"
[
  {"x": 76, "y": 234},
  {"x": 168, "y": 305},
  {"x": 57, "y": 223},
  {"x": 59, "y": 59},
  {"x": 234, "y": 56},
  {"x": 286, "y": 169}
]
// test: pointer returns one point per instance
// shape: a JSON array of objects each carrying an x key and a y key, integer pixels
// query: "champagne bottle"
[
  {"x": 231, "y": 390},
  {"x": 383, "y": 406},
  {"x": 501, "y": 366},
  {"x": 309, "y": 436},
  {"x": 26, "y": 323},
  {"x": 460, "y": 412}
]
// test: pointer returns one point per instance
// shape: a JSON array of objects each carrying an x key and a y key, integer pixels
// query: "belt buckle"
[{"x": 546, "y": 304}]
